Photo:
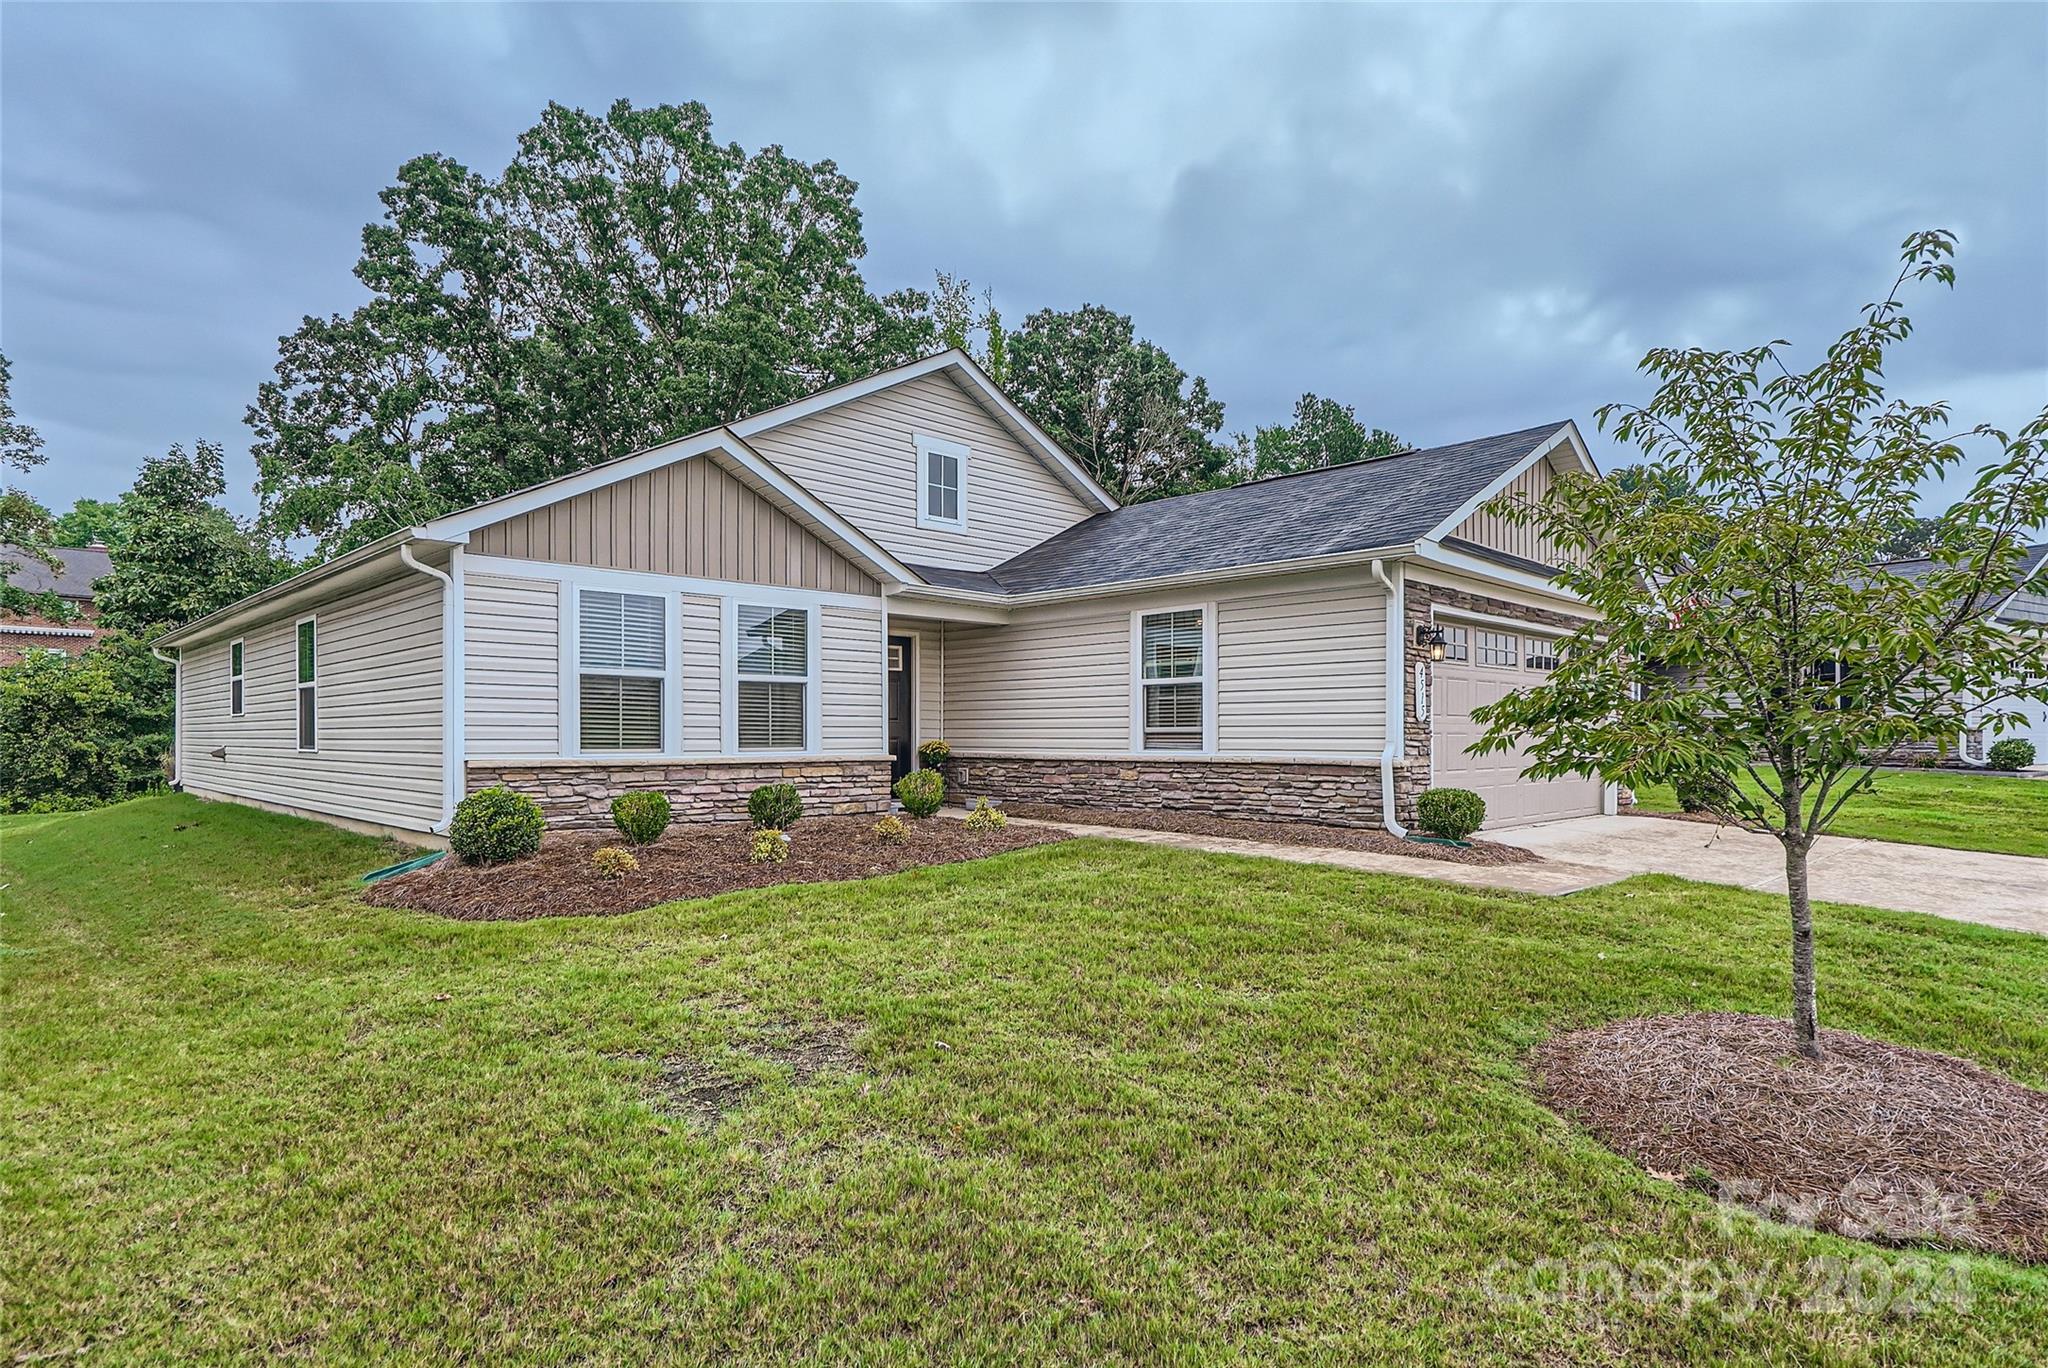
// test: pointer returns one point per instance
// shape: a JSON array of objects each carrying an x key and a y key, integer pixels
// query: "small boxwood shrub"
[
  {"x": 934, "y": 754},
  {"x": 1450, "y": 813},
  {"x": 984, "y": 819},
  {"x": 891, "y": 829},
  {"x": 1699, "y": 790},
  {"x": 775, "y": 807},
  {"x": 2013, "y": 753},
  {"x": 641, "y": 817},
  {"x": 494, "y": 825},
  {"x": 613, "y": 862},
  {"x": 921, "y": 792},
  {"x": 770, "y": 846}
]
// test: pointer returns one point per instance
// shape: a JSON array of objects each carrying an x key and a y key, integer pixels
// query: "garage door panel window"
[
  {"x": 1502, "y": 650},
  {"x": 1457, "y": 643},
  {"x": 1173, "y": 680}
]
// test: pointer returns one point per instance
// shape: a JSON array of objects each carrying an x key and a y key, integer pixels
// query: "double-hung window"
[
  {"x": 941, "y": 483},
  {"x": 309, "y": 685},
  {"x": 1173, "y": 680},
  {"x": 621, "y": 670},
  {"x": 234, "y": 679},
  {"x": 772, "y": 676}
]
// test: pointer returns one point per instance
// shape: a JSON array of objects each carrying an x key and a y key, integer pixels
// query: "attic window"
[{"x": 942, "y": 484}]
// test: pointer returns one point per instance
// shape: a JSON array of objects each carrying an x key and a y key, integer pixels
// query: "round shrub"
[
  {"x": 494, "y": 825},
  {"x": 775, "y": 807},
  {"x": 1450, "y": 813},
  {"x": 613, "y": 862},
  {"x": 891, "y": 829},
  {"x": 1699, "y": 791},
  {"x": 2013, "y": 753},
  {"x": 934, "y": 754},
  {"x": 984, "y": 819},
  {"x": 770, "y": 846},
  {"x": 921, "y": 792},
  {"x": 641, "y": 817}
]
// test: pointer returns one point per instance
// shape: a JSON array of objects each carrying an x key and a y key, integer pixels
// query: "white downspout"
[
  {"x": 452, "y": 725},
  {"x": 177, "y": 714},
  {"x": 1397, "y": 713}
]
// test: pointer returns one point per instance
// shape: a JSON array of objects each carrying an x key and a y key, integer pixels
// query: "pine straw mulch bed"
[
  {"x": 687, "y": 862},
  {"x": 1280, "y": 833},
  {"x": 1876, "y": 1141}
]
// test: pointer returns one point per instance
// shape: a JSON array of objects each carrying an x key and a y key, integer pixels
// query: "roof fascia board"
[
  {"x": 1114, "y": 588},
  {"x": 1566, "y": 436},
  {"x": 964, "y": 370},
  {"x": 1431, "y": 553}
]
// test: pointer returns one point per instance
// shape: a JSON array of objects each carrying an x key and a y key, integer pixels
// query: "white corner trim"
[{"x": 958, "y": 452}]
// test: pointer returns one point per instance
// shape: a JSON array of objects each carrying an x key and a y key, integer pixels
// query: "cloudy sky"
[{"x": 1460, "y": 219}]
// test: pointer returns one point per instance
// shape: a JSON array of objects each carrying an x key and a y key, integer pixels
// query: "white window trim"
[
  {"x": 299, "y": 686},
  {"x": 571, "y": 684},
  {"x": 241, "y": 676},
  {"x": 729, "y": 671},
  {"x": 1207, "y": 679},
  {"x": 926, "y": 448}
]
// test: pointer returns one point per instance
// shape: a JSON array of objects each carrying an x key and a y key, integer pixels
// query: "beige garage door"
[{"x": 1482, "y": 665}]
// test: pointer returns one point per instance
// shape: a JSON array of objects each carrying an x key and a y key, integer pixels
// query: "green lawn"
[
  {"x": 1957, "y": 809},
  {"x": 1118, "y": 1103}
]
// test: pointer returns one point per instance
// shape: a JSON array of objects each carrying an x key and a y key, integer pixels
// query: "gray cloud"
[{"x": 1460, "y": 219}]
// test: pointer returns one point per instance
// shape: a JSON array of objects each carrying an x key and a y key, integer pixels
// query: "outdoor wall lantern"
[{"x": 1432, "y": 636}]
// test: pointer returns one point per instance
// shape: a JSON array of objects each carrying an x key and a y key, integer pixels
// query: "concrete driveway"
[{"x": 1998, "y": 890}]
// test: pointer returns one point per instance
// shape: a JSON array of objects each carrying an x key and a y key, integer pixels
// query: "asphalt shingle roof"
[
  {"x": 81, "y": 566},
  {"x": 1385, "y": 502}
]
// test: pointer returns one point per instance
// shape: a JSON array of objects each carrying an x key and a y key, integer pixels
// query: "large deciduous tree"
[
  {"x": 1323, "y": 433},
  {"x": 183, "y": 555},
  {"x": 24, "y": 523},
  {"x": 1747, "y": 565},
  {"x": 1117, "y": 403},
  {"x": 626, "y": 279}
]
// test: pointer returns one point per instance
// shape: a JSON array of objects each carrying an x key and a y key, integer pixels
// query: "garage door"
[{"x": 1481, "y": 665}]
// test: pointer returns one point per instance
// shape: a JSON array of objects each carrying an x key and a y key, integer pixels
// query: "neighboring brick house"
[
  {"x": 810, "y": 592},
  {"x": 71, "y": 582}
]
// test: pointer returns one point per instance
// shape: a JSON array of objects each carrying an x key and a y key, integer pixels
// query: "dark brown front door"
[{"x": 902, "y": 726}]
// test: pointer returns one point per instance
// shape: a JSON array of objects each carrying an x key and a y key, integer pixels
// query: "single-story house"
[
  {"x": 71, "y": 583},
  {"x": 2022, "y": 606},
  {"x": 808, "y": 593}
]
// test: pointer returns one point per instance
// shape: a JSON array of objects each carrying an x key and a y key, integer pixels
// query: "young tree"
[
  {"x": 1117, "y": 403},
  {"x": 1323, "y": 433},
  {"x": 627, "y": 279},
  {"x": 184, "y": 555},
  {"x": 1747, "y": 564}
]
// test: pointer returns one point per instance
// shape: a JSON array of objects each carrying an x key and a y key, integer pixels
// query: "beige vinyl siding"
[
  {"x": 860, "y": 458},
  {"x": 692, "y": 518},
  {"x": 850, "y": 674},
  {"x": 1491, "y": 530},
  {"x": 378, "y": 654},
  {"x": 1299, "y": 670},
  {"x": 702, "y": 661},
  {"x": 930, "y": 688},
  {"x": 512, "y": 672}
]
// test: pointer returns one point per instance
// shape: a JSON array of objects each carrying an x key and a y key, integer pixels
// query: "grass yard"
[
  {"x": 1114, "y": 1103},
  {"x": 1959, "y": 810}
]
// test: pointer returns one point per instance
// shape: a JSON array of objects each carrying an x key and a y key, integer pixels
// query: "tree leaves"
[
  {"x": 183, "y": 555},
  {"x": 1323, "y": 433}
]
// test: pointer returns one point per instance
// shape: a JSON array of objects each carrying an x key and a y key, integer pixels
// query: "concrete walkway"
[
  {"x": 1998, "y": 890},
  {"x": 1550, "y": 876}
]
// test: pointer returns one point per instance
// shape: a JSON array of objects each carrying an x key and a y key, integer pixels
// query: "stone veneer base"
[
  {"x": 578, "y": 796},
  {"x": 1338, "y": 794}
]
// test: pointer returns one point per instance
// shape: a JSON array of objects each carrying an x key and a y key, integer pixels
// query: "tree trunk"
[{"x": 1805, "y": 1007}]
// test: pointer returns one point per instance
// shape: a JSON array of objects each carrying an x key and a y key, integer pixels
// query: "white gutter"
[
  {"x": 1114, "y": 588},
  {"x": 177, "y": 712},
  {"x": 1397, "y": 713},
  {"x": 452, "y": 689}
]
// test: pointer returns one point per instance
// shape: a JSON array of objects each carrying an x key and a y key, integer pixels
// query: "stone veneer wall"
[
  {"x": 1325, "y": 793},
  {"x": 578, "y": 795}
]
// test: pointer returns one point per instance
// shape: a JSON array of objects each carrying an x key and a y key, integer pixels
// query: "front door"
[{"x": 902, "y": 726}]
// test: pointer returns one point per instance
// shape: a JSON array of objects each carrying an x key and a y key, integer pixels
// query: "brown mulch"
[
  {"x": 1280, "y": 833},
  {"x": 687, "y": 862},
  {"x": 1875, "y": 1141}
]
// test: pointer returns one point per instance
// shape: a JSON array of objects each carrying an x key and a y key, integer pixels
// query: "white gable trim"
[
  {"x": 1566, "y": 437},
  {"x": 962, "y": 369},
  {"x": 852, "y": 542}
]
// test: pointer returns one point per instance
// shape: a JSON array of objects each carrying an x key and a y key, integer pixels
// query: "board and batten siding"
[
  {"x": 1300, "y": 671},
  {"x": 1491, "y": 530},
  {"x": 691, "y": 518},
  {"x": 850, "y": 676},
  {"x": 512, "y": 673},
  {"x": 378, "y": 756},
  {"x": 860, "y": 458}
]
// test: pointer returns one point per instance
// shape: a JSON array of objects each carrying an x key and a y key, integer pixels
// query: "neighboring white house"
[
  {"x": 810, "y": 592},
  {"x": 2024, "y": 607}
]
